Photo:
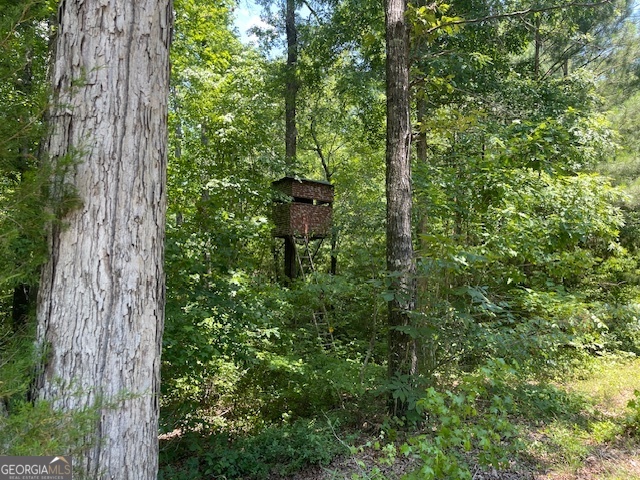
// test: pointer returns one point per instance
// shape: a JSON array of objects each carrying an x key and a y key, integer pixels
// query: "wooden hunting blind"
[
  {"x": 303, "y": 208},
  {"x": 302, "y": 212}
]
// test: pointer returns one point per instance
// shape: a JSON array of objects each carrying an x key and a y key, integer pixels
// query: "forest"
[{"x": 463, "y": 302}]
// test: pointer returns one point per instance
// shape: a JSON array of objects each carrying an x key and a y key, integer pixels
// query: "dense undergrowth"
[
  {"x": 492, "y": 418},
  {"x": 526, "y": 237}
]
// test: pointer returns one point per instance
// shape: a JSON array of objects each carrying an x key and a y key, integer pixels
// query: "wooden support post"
[{"x": 290, "y": 268}]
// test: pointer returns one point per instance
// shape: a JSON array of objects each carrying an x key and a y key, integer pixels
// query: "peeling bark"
[{"x": 101, "y": 299}]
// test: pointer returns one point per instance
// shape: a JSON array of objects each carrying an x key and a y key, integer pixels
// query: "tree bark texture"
[
  {"x": 291, "y": 88},
  {"x": 400, "y": 263},
  {"x": 101, "y": 299}
]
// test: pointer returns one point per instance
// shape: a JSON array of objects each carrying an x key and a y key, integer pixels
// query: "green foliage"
[
  {"x": 515, "y": 270},
  {"x": 259, "y": 345},
  {"x": 622, "y": 327},
  {"x": 632, "y": 422},
  {"x": 34, "y": 428},
  {"x": 23, "y": 100},
  {"x": 524, "y": 253},
  {"x": 282, "y": 450},
  {"x": 428, "y": 21},
  {"x": 243, "y": 353},
  {"x": 39, "y": 429},
  {"x": 16, "y": 362},
  {"x": 535, "y": 401},
  {"x": 455, "y": 426},
  {"x": 277, "y": 387},
  {"x": 209, "y": 340},
  {"x": 470, "y": 422}
]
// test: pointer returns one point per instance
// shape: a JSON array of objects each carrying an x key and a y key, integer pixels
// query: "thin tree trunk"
[
  {"x": 101, "y": 299},
  {"x": 290, "y": 255},
  {"x": 421, "y": 110},
  {"x": 291, "y": 88},
  {"x": 333, "y": 269},
  {"x": 400, "y": 264},
  {"x": 538, "y": 48}
]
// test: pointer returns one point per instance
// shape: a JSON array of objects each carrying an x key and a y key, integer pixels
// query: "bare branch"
[
  {"x": 318, "y": 149},
  {"x": 313, "y": 12}
]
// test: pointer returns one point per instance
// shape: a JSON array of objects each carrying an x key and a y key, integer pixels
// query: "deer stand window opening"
[{"x": 302, "y": 214}]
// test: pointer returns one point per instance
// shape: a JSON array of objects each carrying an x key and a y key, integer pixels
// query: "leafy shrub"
[
  {"x": 240, "y": 344},
  {"x": 216, "y": 325},
  {"x": 296, "y": 386},
  {"x": 623, "y": 323},
  {"x": 470, "y": 420},
  {"x": 281, "y": 450},
  {"x": 632, "y": 422}
]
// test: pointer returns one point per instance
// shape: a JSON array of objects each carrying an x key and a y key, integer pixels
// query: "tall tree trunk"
[
  {"x": 538, "y": 48},
  {"x": 400, "y": 264},
  {"x": 101, "y": 299},
  {"x": 333, "y": 269},
  {"x": 291, "y": 88},
  {"x": 291, "y": 131}
]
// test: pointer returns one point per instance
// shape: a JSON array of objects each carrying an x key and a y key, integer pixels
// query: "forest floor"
[{"x": 589, "y": 444}]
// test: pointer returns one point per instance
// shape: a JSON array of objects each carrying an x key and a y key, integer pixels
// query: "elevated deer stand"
[{"x": 302, "y": 214}]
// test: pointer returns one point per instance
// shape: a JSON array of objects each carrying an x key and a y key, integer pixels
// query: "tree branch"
[
  {"x": 313, "y": 12},
  {"x": 318, "y": 149},
  {"x": 518, "y": 13}
]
